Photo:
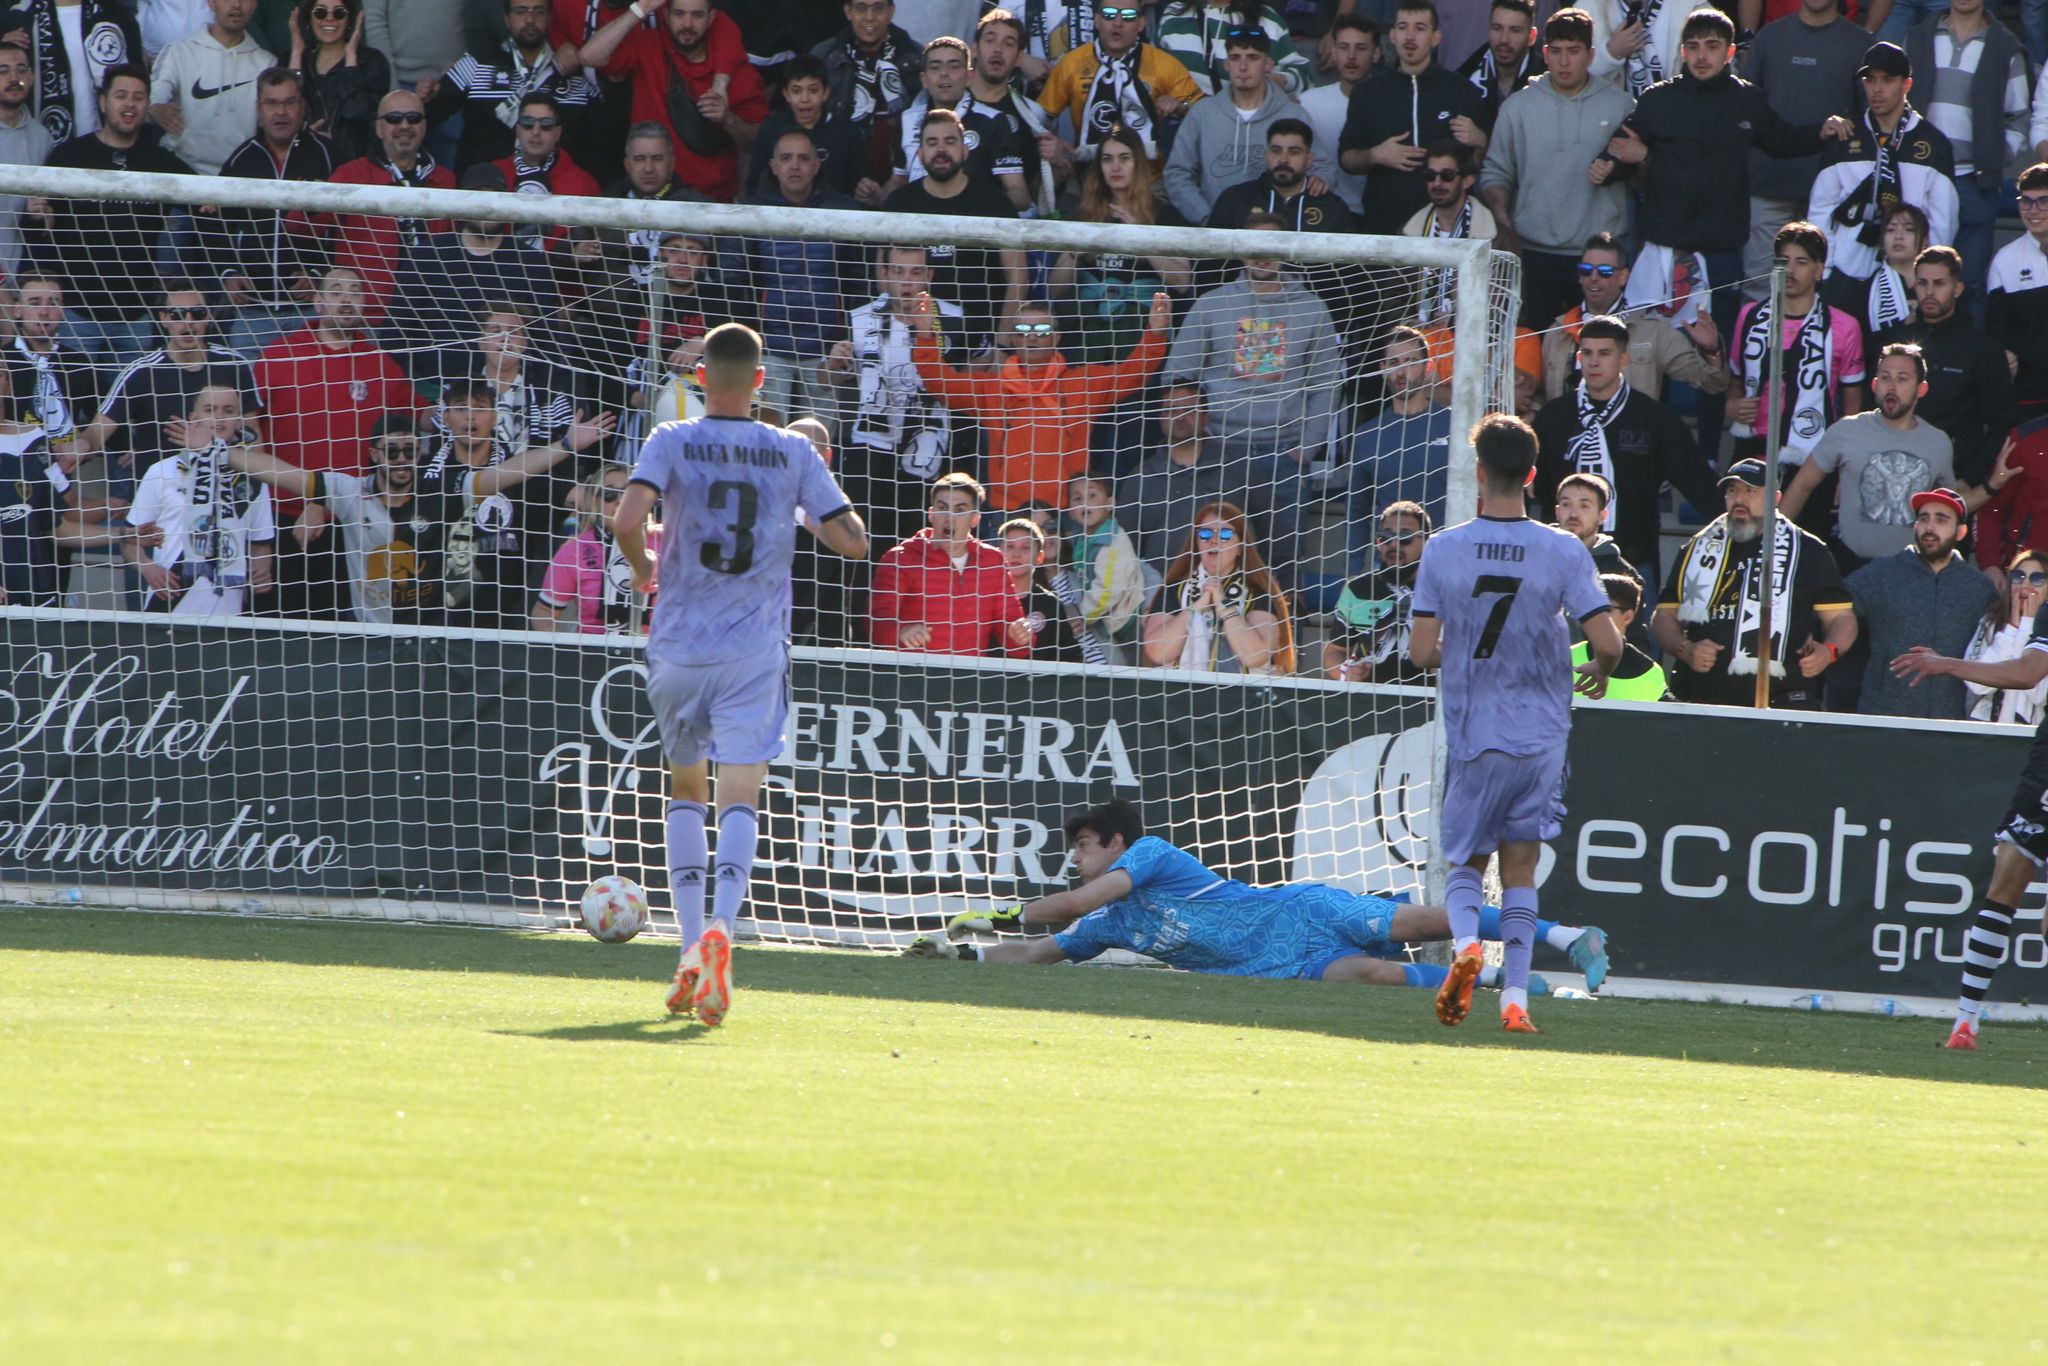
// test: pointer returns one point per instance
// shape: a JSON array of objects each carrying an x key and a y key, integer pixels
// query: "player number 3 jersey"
[{"x": 731, "y": 490}]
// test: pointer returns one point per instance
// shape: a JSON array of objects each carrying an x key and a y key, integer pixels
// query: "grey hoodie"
[
  {"x": 1267, "y": 364},
  {"x": 1542, "y": 145},
  {"x": 1216, "y": 149}
]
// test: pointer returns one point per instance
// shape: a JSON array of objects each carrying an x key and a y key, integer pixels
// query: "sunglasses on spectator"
[
  {"x": 545, "y": 124},
  {"x": 2035, "y": 577},
  {"x": 1446, "y": 177},
  {"x": 408, "y": 117},
  {"x": 392, "y": 450},
  {"x": 1241, "y": 33},
  {"x": 2036, "y": 202},
  {"x": 194, "y": 313},
  {"x": 1604, "y": 272},
  {"x": 612, "y": 495},
  {"x": 338, "y": 12},
  {"x": 1114, "y": 12},
  {"x": 1034, "y": 328},
  {"x": 1215, "y": 533}
]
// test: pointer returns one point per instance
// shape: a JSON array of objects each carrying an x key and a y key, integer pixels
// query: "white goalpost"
[{"x": 422, "y": 700}]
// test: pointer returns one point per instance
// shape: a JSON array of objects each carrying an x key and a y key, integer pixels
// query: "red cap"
[{"x": 1947, "y": 498}]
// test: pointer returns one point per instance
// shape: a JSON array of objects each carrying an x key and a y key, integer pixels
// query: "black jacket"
[
  {"x": 1421, "y": 107},
  {"x": 1649, "y": 444},
  {"x": 1969, "y": 389},
  {"x": 1696, "y": 183},
  {"x": 1304, "y": 213},
  {"x": 253, "y": 242}
]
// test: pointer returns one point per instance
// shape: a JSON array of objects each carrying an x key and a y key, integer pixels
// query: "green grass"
[{"x": 231, "y": 1140}]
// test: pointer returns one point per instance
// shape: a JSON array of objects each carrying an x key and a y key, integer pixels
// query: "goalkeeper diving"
[{"x": 1138, "y": 892}]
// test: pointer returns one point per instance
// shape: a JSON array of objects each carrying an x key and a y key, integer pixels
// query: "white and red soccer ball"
[{"x": 614, "y": 909}]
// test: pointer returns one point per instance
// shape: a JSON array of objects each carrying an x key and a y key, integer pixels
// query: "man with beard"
[
  {"x": 1219, "y": 143},
  {"x": 1657, "y": 351},
  {"x": 1509, "y": 59},
  {"x": 382, "y": 519},
  {"x": 1708, "y": 616},
  {"x": 486, "y": 89},
  {"x": 442, "y": 280},
  {"x": 1283, "y": 189},
  {"x": 962, "y": 275},
  {"x": 260, "y": 267},
  {"x": 1452, "y": 214},
  {"x": 1607, "y": 427},
  {"x": 24, "y": 141},
  {"x": 323, "y": 386},
  {"x": 74, "y": 69},
  {"x": 1373, "y": 610},
  {"x": 44, "y": 383},
  {"x": 134, "y": 419},
  {"x": 1884, "y": 460},
  {"x": 1118, "y": 79},
  {"x": 539, "y": 166},
  {"x": 998, "y": 42},
  {"x": 710, "y": 105},
  {"x": 995, "y": 143},
  {"x": 1969, "y": 388},
  {"x": 369, "y": 245},
  {"x": 1924, "y": 597},
  {"x": 1404, "y": 450}
]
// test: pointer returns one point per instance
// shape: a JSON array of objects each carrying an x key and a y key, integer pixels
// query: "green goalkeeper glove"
[
  {"x": 985, "y": 922},
  {"x": 924, "y": 946}
]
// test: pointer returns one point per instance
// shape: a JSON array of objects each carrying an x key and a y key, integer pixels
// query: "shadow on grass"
[{"x": 2017, "y": 1055}]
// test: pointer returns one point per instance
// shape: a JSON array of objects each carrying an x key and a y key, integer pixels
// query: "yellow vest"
[{"x": 1644, "y": 687}]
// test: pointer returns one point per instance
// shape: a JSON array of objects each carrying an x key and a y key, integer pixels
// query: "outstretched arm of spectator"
[
  {"x": 2016, "y": 674},
  {"x": 957, "y": 389},
  {"x": 258, "y": 463},
  {"x": 584, "y": 433},
  {"x": 599, "y": 49},
  {"x": 1801, "y": 488}
]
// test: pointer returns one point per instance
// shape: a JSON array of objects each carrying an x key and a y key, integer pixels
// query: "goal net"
[{"x": 313, "y": 606}]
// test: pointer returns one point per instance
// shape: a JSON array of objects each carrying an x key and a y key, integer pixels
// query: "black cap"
[
  {"x": 1889, "y": 58},
  {"x": 1749, "y": 472},
  {"x": 484, "y": 175}
]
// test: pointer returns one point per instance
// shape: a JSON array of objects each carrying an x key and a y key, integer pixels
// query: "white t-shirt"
[{"x": 164, "y": 498}]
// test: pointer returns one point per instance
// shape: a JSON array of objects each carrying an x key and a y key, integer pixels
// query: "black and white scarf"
[
  {"x": 1704, "y": 580},
  {"x": 1118, "y": 95},
  {"x": 1437, "y": 284},
  {"x": 56, "y": 85},
  {"x": 1891, "y": 299},
  {"x": 1489, "y": 70},
  {"x": 1812, "y": 362},
  {"x": 1588, "y": 452},
  {"x": 1205, "y": 629},
  {"x": 1063, "y": 587},
  {"x": 219, "y": 496},
  {"x": 1865, "y": 207},
  {"x": 1075, "y": 27},
  {"x": 411, "y": 231},
  {"x": 522, "y": 80},
  {"x": 533, "y": 177},
  {"x": 1646, "y": 64},
  {"x": 618, "y": 581},
  {"x": 877, "y": 83},
  {"x": 51, "y": 409}
]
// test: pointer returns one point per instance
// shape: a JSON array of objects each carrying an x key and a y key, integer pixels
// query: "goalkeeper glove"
[
  {"x": 985, "y": 922},
  {"x": 924, "y": 946}
]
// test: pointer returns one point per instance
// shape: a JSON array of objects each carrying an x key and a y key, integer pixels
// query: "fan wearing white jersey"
[{"x": 718, "y": 648}]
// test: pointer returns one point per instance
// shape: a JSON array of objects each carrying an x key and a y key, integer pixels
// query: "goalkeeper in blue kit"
[{"x": 1139, "y": 893}]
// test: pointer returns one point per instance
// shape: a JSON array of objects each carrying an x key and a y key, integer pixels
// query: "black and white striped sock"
[{"x": 1983, "y": 950}]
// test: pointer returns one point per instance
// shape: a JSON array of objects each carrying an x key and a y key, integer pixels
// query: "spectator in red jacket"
[
  {"x": 369, "y": 244},
  {"x": 944, "y": 592},
  {"x": 2016, "y": 518},
  {"x": 706, "y": 93},
  {"x": 538, "y": 165}
]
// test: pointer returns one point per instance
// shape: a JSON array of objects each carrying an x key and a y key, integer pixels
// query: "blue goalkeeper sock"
[
  {"x": 687, "y": 855},
  {"x": 1489, "y": 928},
  {"x": 1463, "y": 894},
  {"x": 1423, "y": 975},
  {"x": 739, "y": 827},
  {"x": 1518, "y": 944}
]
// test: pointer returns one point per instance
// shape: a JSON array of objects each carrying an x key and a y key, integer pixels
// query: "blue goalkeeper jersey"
[{"x": 1185, "y": 915}]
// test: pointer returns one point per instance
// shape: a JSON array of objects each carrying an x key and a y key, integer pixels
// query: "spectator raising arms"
[
  {"x": 1038, "y": 408},
  {"x": 1221, "y": 611},
  {"x": 688, "y": 77},
  {"x": 944, "y": 592},
  {"x": 343, "y": 76}
]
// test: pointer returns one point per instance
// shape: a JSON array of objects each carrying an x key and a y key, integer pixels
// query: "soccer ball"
[{"x": 614, "y": 909}]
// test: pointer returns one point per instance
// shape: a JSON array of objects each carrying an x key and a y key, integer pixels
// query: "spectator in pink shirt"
[{"x": 589, "y": 587}]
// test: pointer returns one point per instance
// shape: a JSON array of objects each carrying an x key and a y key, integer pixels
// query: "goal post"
[{"x": 478, "y": 758}]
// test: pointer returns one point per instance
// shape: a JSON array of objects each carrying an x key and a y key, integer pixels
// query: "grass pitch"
[{"x": 233, "y": 1140}]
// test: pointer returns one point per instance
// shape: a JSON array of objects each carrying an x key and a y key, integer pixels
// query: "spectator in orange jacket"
[
  {"x": 1036, "y": 406},
  {"x": 944, "y": 592}
]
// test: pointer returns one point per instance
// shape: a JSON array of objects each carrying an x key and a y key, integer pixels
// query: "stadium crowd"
[{"x": 1098, "y": 457}]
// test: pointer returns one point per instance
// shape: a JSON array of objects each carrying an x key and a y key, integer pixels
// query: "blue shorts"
[
  {"x": 733, "y": 711},
  {"x": 1493, "y": 799},
  {"x": 1336, "y": 925}
]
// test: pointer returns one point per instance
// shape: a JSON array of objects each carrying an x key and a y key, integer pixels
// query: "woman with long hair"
[
  {"x": 1220, "y": 608},
  {"x": 2007, "y": 626},
  {"x": 342, "y": 75},
  {"x": 1105, "y": 296}
]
